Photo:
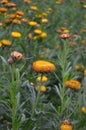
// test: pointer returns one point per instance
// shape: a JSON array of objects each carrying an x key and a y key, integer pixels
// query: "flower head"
[
  {"x": 85, "y": 73},
  {"x": 42, "y": 88},
  {"x": 34, "y": 8},
  {"x": 83, "y": 109},
  {"x": 66, "y": 125},
  {"x": 17, "y": 55},
  {"x": 42, "y": 79},
  {"x": 37, "y": 31},
  {"x": 32, "y": 23},
  {"x": 42, "y": 66},
  {"x": 43, "y": 35},
  {"x": 65, "y": 36},
  {"x": 6, "y": 42},
  {"x": 73, "y": 84},
  {"x": 16, "y": 34}
]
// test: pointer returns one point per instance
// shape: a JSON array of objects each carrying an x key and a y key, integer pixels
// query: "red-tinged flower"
[{"x": 65, "y": 36}]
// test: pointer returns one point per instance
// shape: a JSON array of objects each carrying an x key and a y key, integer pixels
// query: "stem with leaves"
[
  {"x": 13, "y": 96},
  {"x": 63, "y": 60}
]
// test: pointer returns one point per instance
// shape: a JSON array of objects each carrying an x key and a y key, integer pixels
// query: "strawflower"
[
  {"x": 83, "y": 109},
  {"x": 42, "y": 79},
  {"x": 66, "y": 125},
  {"x": 20, "y": 13},
  {"x": 73, "y": 84},
  {"x": 84, "y": 73},
  {"x": 34, "y": 8},
  {"x": 3, "y": 10},
  {"x": 78, "y": 68},
  {"x": 65, "y": 36},
  {"x": 43, "y": 35},
  {"x": 42, "y": 88},
  {"x": 37, "y": 31},
  {"x": 6, "y": 42},
  {"x": 0, "y": 44},
  {"x": 42, "y": 66},
  {"x": 44, "y": 20},
  {"x": 17, "y": 55},
  {"x": 16, "y": 34},
  {"x": 1, "y": 24},
  {"x": 32, "y": 23}
]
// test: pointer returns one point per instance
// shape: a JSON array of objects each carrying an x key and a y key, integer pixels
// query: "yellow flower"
[
  {"x": 6, "y": 42},
  {"x": 37, "y": 31},
  {"x": 42, "y": 66},
  {"x": 59, "y": 2},
  {"x": 78, "y": 67},
  {"x": 44, "y": 14},
  {"x": 16, "y": 34},
  {"x": 65, "y": 31},
  {"x": 16, "y": 21},
  {"x": 84, "y": 73},
  {"x": 44, "y": 20},
  {"x": 66, "y": 125},
  {"x": 43, "y": 35},
  {"x": 0, "y": 44},
  {"x": 32, "y": 23},
  {"x": 73, "y": 84},
  {"x": 35, "y": 38},
  {"x": 84, "y": 6},
  {"x": 83, "y": 42},
  {"x": 42, "y": 88},
  {"x": 38, "y": 16},
  {"x": 42, "y": 79},
  {"x": 83, "y": 110},
  {"x": 34, "y": 8}
]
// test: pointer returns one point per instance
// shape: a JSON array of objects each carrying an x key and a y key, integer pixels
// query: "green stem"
[
  {"x": 13, "y": 93},
  {"x": 64, "y": 55},
  {"x": 37, "y": 98}
]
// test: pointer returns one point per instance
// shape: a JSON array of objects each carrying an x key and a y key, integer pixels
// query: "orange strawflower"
[
  {"x": 6, "y": 42},
  {"x": 66, "y": 125},
  {"x": 73, "y": 84},
  {"x": 42, "y": 66},
  {"x": 83, "y": 109},
  {"x": 84, "y": 73}
]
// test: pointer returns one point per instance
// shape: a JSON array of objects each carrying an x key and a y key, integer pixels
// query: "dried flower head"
[
  {"x": 65, "y": 36},
  {"x": 17, "y": 55}
]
